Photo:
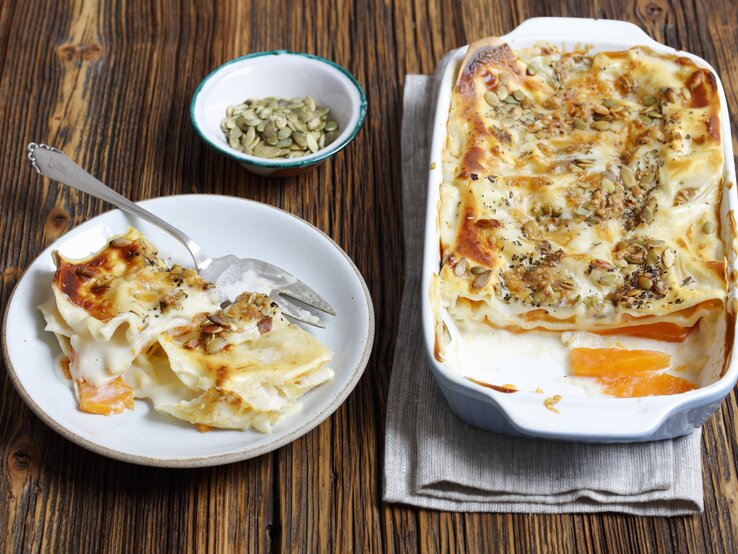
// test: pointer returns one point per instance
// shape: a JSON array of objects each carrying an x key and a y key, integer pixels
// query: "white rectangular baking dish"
[{"x": 580, "y": 418}]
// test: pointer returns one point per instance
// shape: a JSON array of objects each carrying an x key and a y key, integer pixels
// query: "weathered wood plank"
[{"x": 110, "y": 83}]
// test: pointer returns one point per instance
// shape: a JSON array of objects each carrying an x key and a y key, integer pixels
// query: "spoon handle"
[{"x": 52, "y": 163}]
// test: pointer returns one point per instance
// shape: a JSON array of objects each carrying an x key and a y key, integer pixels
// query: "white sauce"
[
  {"x": 230, "y": 286},
  {"x": 539, "y": 360}
]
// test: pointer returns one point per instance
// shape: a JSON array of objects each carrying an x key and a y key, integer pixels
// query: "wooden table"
[{"x": 110, "y": 84}]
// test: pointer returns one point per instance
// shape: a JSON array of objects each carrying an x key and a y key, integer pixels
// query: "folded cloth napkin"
[{"x": 434, "y": 460}]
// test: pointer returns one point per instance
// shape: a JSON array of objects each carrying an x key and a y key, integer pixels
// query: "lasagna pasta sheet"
[{"x": 132, "y": 326}]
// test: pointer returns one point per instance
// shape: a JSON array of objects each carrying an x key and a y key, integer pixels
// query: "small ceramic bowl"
[{"x": 285, "y": 75}]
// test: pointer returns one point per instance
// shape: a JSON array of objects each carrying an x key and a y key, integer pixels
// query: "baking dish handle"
[
  {"x": 572, "y": 419},
  {"x": 555, "y": 28}
]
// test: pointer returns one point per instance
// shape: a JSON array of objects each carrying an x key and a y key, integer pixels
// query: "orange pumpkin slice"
[
  {"x": 112, "y": 398},
  {"x": 665, "y": 331},
  {"x": 616, "y": 362},
  {"x": 646, "y": 385}
]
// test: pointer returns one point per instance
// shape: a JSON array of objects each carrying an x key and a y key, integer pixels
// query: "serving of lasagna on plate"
[
  {"x": 579, "y": 222},
  {"x": 132, "y": 327}
]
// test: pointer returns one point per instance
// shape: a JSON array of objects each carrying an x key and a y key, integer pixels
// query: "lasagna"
[
  {"x": 131, "y": 327},
  {"x": 581, "y": 193}
]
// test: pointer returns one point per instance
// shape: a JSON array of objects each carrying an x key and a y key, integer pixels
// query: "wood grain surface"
[{"x": 109, "y": 82}]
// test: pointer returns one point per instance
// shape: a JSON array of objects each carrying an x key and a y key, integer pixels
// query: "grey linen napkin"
[{"x": 434, "y": 460}]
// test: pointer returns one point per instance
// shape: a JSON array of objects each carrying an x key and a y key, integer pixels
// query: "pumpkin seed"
[
  {"x": 491, "y": 98},
  {"x": 628, "y": 177},
  {"x": 649, "y": 100},
  {"x": 652, "y": 257},
  {"x": 312, "y": 144},
  {"x": 518, "y": 95},
  {"x": 607, "y": 185},
  {"x": 266, "y": 151},
  {"x": 647, "y": 215},
  {"x": 635, "y": 257},
  {"x": 602, "y": 110},
  {"x": 460, "y": 267},
  {"x": 609, "y": 103},
  {"x": 502, "y": 92},
  {"x": 644, "y": 282},
  {"x": 505, "y": 79},
  {"x": 579, "y": 124},
  {"x": 481, "y": 279},
  {"x": 660, "y": 287},
  {"x": 277, "y": 127},
  {"x": 478, "y": 269},
  {"x": 601, "y": 125},
  {"x": 668, "y": 258},
  {"x": 250, "y": 135},
  {"x": 299, "y": 139},
  {"x": 708, "y": 228},
  {"x": 607, "y": 279}
]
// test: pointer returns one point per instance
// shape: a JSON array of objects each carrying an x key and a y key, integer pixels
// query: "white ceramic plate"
[{"x": 222, "y": 225}]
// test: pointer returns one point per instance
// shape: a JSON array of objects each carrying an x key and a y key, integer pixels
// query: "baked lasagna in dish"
[
  {"x": 132, "y": 327},
  {"x": 579, "y": 215}
]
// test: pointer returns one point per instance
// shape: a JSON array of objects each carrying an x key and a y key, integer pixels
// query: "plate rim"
[{"x": 197, "y": 461}]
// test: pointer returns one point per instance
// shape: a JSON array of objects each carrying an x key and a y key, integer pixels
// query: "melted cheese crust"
[
  {"x": 581, "y": 192},
  {"x": 131, "y": 326}
]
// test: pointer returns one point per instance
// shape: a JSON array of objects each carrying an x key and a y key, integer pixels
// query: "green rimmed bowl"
[{"x": 285, "y": 75}]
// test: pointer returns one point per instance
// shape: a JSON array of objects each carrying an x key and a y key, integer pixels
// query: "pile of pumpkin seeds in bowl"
[{"x": 279, "y": 127}]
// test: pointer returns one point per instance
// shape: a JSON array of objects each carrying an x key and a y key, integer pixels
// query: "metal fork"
[{"x": 223, "y": 271}]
